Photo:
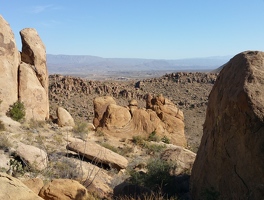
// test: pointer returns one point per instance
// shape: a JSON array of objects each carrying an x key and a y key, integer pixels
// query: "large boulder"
[
  {"x": 100, "y": 105},
  {"x": 35, "y": 184},
  {"x": 32, "y": 93},
  {"x": 12, "y": 188},
  {"x": 36, "y": 158},
  {"x": 100, "y": 154},
  {"x": 34, "y": 54},
  {"x": 181, "y": 157},
  {"x": 65, "y": 189},
  {"x": 9, "y": 61},
  {"x": 229, "y": 162},
  {"x": 64, "y": 117}
]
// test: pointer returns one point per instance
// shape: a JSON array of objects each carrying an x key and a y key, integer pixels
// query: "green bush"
[
  {"x": 158, "y": 177},
  {"x": 17, "y": 111},
  {"x": 165, "y": 139},
  {"x": 153, "y": 137}
]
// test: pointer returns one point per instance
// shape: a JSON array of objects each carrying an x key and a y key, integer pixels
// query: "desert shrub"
[
  {"x": 153, "y": 137},
  {"x": 62, "y": 168},
  {"x": 17, "y": 111},
  {"x": 154, "y": 148},
  {"x": 158, "y": 177},
  {"x": 34, "y": 124},
  {"x": 138, "y": 140},
  {"x": 165, "y": 139},
  {"x": 81, "y": 130}
]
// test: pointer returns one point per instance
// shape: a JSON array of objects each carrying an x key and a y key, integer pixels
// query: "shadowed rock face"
[{"x": 229, "y": 161}]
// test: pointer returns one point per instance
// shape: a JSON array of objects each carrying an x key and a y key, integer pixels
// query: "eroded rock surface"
[
  {"x": 229, "y": 162},
  {"x": 64, "y": 117},
  {"x": 160, "y": 116},
  {"x": 9, "y": 61},
  {"x": 12, "y": 188},
  {"x": 95, "y": 152}
]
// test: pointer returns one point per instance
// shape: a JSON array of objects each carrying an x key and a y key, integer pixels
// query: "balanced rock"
[
  {"x": 9, "y": 61},
  {"x": 34, "y": 54},
  {"x": 229, "y": 162},
  {"x": 94, "y": 151},
  {"x": 35, "y": 157},
  {"x": 65, "y": 189},
  {"x": 64, "y": 117},
  {"x": 12, "y": 188}
]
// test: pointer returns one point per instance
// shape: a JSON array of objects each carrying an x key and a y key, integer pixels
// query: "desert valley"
[{"x": 153, "y": 134}]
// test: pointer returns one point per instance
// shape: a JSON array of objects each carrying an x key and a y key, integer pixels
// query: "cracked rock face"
[{"x": 229, "y": 162}]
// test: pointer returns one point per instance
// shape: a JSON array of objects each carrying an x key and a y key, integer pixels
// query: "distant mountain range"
[{"x": 85, "y": 64}]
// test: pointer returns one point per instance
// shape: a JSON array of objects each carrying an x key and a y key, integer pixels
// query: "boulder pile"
[{"x": 160, "y": 116}]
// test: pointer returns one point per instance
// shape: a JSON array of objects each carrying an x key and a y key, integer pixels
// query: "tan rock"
[
  {"x": 230, "y": 158},
  {"x": 9, "y": 61},
  {"x": 32, "y": 94},
  {"x": 95, "y": 179},
  {"x": 35, "y": 157},
  {"x": 116, "y": 116},
  {"x": 65, "y": 189},
  {"x": 93, "y": 151},
  {"x": 34, "y": 54},
  {"x": 100, "y": 105},
  {"x": 64, "y": 117},
  {"x": 12, "y": 188},
  {"x": 35, "y": 184},
  {"x": 183, "y": 158}
]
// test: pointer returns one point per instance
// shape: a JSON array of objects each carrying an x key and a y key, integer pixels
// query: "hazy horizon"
[{"x": 148, "y": 29}]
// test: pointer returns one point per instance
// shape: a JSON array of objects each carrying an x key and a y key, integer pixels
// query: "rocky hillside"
[{"x": 189, "y": 91}]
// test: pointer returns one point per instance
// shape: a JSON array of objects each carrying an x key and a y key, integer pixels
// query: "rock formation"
[
  {"x": 36, "y": 158},
  {"x": 23, "y": 76},
  {"x": 63, "y": 189},
  {"x": 12, "y": 188},
  {"x": 9, "y": 61},
  {"x": 161, "y": 116},
  {"x": 64, "y": 117},
  {"x": 100, "y": 154},
  {"x": 34, "y": 56},
  {"x": 229, "y": 162}
]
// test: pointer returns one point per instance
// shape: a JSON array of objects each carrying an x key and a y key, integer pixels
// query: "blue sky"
[{"x": 159, "y": 29}]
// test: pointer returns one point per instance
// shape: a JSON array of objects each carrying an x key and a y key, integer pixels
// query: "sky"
[{"x": 155, "y": 29}]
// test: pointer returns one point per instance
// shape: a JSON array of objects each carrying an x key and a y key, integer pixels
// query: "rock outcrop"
[
  {"x": 9, "y": 61},
  {"x": 12, "y": 188},
  {"x": 160, "y": 116},
  {"x": 93, "y": 151},
  {"x": 24, "y": 76},
  {"x": 64, "y": 117},
  {"x": 229, "y": 162},
  {"x": 34, "y": 55},
  {"x": 181, "y": 157},
  {"x": 63, "y": 189},
  {"x": 36, "y": 158}
]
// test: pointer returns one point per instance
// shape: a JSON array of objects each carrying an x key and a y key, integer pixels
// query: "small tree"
[{"x": 17, "y": 111}]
